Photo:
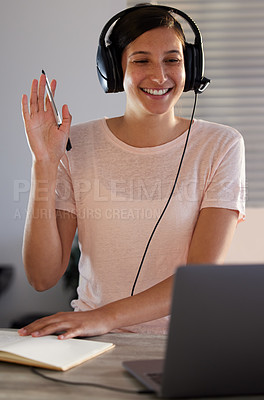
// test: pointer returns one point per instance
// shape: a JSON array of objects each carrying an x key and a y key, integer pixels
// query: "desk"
[{"x": 18, "y": 382}]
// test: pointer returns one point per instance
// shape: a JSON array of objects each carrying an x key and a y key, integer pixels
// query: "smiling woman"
[{"x": 150, "y": 182}]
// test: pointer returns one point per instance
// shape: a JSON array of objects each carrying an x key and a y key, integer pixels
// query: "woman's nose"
[{"x": 158, "y": 73}]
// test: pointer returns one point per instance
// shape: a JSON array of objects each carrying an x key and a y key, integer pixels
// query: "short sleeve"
[
  {"x": 64, "y": 189},
  {"x": 226, "y": 186}
]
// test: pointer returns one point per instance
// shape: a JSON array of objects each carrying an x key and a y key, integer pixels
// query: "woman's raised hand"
[{"x": 47, "y": 141}]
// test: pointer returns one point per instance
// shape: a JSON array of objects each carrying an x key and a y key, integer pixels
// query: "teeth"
[{"x": 156, "y": 92}]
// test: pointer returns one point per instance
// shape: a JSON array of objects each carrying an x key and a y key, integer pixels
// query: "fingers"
[
  {"x": 41, "y": 92},
  {"x": 24, "y": 103},
  {"x": 67, "y": 324},
  {"x": 71, "y": 333},
  {"x": 53, "y": 86},
  {"x": 34, "y": 97},
  {"x": 46, "y": 326},
  {"x": 37, "y": 96},
  {"x": 66, "y": 119}
]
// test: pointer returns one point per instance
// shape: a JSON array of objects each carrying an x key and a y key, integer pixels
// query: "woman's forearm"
[
  {"x": 42, "y": 249},
  {"x": 148, "y": 305}
]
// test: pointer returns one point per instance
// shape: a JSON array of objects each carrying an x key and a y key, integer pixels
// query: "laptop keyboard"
[{"x": 156, "y": 377}]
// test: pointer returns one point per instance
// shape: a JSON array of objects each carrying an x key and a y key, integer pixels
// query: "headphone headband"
[
  {"x": 110, "y": 76},
  {"x": 116, "y": 17}
]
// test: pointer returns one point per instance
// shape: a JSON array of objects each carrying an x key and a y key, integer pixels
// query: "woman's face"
[{"x": 154, "y": 74}]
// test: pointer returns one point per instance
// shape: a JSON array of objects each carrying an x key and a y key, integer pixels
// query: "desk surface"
[{"x": 18, "y": 382}]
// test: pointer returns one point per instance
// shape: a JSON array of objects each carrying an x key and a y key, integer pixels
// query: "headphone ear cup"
[
  {"x": 104, "y": 68},
  {"x": 193, "y": 61},
  {"x": 109, "y": 74},
  {"x": 190, "y": 69},
  {"x": 117, "y": 72}
]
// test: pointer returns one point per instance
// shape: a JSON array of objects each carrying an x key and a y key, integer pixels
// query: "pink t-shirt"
[{"x": 118, "y": 192}]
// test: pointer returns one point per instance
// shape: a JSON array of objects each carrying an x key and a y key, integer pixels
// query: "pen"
[{"x": 54, "y": 108}]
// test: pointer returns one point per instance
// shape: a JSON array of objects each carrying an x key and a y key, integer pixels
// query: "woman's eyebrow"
[
  {"x": 139, "y": 52},
  {"x": 173, "y": 51},
  {"x": 148, "y": 52}
]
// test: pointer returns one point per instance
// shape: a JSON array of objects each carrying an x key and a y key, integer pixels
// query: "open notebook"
[{"x": 48, "y": 351}]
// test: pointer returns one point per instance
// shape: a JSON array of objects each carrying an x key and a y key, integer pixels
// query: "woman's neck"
[{"x": 150, "y": 131}]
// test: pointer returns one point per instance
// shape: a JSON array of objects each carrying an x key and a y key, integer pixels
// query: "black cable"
[
  {"x": 96, "y": 385},
  {"x": 170, "y": 196}
]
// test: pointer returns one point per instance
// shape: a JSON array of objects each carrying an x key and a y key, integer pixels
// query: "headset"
[{"x": 109, "y": 70}]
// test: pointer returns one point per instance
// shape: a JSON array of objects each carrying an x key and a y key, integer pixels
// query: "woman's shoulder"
[
  {"x": 83, "y": 133},
  {"x": 216, "y": 130},
  {"x": 216, "y": 138},
  {"x": 87, "y": 126}
]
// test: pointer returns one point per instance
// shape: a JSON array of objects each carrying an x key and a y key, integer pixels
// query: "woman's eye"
[
  {"x": 140, "y": 61},
  {"x": 173, "y": 60}
]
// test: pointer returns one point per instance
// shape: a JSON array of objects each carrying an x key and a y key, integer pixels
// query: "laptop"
[{"x": 215, "y": 343}]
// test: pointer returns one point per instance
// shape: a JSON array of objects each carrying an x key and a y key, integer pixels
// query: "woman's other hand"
[{"x": 72, "y": 324}]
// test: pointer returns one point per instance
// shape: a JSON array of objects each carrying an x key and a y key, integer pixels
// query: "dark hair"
[{"x": 139, "y": 21}]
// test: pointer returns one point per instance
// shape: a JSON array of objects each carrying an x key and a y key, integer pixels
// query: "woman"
[{"x": 115, "y": 182}]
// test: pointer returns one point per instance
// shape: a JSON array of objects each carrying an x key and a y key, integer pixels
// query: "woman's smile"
[{"x": 156, "y": 92}]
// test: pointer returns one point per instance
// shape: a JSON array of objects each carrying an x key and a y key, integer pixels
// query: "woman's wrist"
[
  {"x": 122, "y": 313},
  {"x": 44, "y": 174},
  {"x": 45, "y": 167},
  {"x": 148, "y": 305},
  {"x": 109, "y": 314}
]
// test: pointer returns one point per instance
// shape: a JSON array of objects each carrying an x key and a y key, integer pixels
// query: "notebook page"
[
  {"x": 9, "y": 338},
  {"x": 49, "y": 350}
]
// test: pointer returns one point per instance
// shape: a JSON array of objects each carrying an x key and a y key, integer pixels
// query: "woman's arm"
[
  {"x": 212, "y": 235},
  {"x": 211, "y": 238},
  {"x": 47, "y": 236}
]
